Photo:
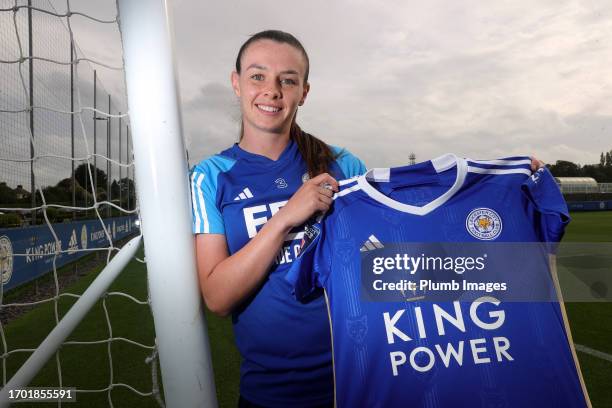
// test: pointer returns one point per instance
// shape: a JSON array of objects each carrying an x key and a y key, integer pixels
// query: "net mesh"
[{"x": 66, "y": 161}]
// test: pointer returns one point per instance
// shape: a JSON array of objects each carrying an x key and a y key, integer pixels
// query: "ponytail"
[{"x": 317, "y": 155}]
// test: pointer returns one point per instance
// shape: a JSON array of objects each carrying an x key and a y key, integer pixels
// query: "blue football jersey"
[
  {"x": 420, "y": 353},
  {"x": 286, "y": 356}
]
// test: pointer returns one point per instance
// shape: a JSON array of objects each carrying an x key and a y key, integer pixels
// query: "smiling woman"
[
  {"x": 270, "y": 94},
  {"x": 276, "y": 88},
  {"x": 250, "y": 203}
]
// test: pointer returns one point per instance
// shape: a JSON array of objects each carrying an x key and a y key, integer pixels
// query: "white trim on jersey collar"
[{"x": 440, "y": 164}]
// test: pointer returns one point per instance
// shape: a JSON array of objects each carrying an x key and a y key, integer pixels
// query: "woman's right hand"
[
  {"x": 314, "y": 196},
  {"x": 226, "y": 281}
]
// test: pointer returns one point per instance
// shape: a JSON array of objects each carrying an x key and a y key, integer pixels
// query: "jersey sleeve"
[
  {"x": 546, "y": 206},
  {"x": 350, "y": 165},
  {"x": 312, "y": 266},
  {"x": 206, "y": 216}
]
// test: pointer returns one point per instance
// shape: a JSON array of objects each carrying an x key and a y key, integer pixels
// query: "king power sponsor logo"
[
  {"x": 38, "y": 252},
  {"x": 39, "y": 248},
  {"x": 488, "y": 347}
]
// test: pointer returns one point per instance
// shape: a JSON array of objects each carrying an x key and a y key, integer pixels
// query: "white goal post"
[
  {"x": 165, "y": 209},
  {"x": 163, "y": 198}
]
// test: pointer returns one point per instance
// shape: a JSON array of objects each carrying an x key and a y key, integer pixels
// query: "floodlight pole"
[
  {"x": 108, "y": 160},
  {"x": 31, "y": 107},
  {"x": 95, "y": 139},
  {"x": 120, "y": 162},
  {"x": 128, "y": 160},
  {"x": 163, "y": 197},
  {"x": 72, "y": 129}
]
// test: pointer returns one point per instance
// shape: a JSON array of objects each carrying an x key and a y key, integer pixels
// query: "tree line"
[
  {"x": 122, "y": 194},
  {"x": 601, "y": 172}
]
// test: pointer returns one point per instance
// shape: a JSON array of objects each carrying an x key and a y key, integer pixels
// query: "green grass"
[
  {"x": 88, "y": 366},
  {"x": 597, "y": 374},
  {"x": 591, "y": 323},
  {"x": 593, "y": 226}
]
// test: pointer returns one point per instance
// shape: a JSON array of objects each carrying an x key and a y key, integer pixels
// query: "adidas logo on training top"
[
  {"x": 246, "y": 193},
  {"x": 370, "y": 244}
]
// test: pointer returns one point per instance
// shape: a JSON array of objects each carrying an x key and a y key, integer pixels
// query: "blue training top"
[{"x": 284, "y": 343}]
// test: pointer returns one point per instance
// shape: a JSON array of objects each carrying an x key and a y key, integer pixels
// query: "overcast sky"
[{"x": 478, "y": 78}]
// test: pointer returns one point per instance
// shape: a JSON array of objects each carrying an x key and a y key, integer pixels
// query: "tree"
[
  {"x": 595, "y": 171},
  {"x": 608, "y": 159},
  {"x": 127, "y": 185},
  {"x": 82, "y": 176},
  {"x": 115, "y": 190},
  {"x": 7, "y": 194},
  {"x": 563, "y": 168},
  {"x": 602, "y": 160},
  {"x": 61, "y": 193}
]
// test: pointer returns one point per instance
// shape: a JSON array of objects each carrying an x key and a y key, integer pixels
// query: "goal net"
[{"x": 70, "y": 222}]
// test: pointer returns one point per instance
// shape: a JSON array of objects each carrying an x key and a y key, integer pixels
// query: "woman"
[{"x": 250, "y": 202}]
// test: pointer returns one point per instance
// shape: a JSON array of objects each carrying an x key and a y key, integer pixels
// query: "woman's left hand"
[{"x": 536, "y": 164}]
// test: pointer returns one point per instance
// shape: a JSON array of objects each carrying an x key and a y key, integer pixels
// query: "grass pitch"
[
  {"x": 591, "y": 323},
  {"x": 89, "y": 366}
]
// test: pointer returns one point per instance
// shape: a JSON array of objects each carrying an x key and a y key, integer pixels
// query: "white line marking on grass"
[{"x": 595, "y": 353}]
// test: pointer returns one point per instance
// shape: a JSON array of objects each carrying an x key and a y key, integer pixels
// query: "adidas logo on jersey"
[
  {"x": 371, "y": 244},
  {"x": 246, "y": 193}
]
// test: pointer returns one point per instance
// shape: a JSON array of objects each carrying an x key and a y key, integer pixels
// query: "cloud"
[
  {"x": 212, "y": 120},
  {"x": 484, "y": 79},
  {"x": 514, "y": 84}
]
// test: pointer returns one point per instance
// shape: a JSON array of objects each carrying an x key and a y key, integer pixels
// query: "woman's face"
[{"x": 270, "y": 87}]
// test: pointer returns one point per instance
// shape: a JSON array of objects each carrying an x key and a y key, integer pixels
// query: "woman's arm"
[{"x": 226, "y": 280}]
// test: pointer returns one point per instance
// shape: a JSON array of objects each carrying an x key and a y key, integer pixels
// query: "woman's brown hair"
[{"x": 316, "y": 153}]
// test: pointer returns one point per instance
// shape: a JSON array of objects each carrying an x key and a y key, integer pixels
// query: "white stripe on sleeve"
[
  {"x": 498, "y": 171},
  {"x": 196, "y": 212},
  {"x": 202, "y": 203},
  {"x": 502, "y": 162}
]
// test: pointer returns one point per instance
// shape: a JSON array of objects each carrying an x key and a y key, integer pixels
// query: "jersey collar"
[
  {"x": 440, "y": 164},
  {"x": 288, "y": 155}
]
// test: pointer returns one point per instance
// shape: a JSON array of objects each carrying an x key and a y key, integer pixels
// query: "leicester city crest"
[
  {"x": 484, "y": 224},
  {"x": 6, "y": 259}
]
